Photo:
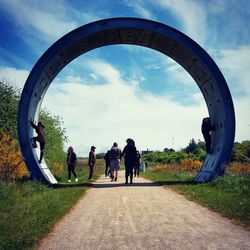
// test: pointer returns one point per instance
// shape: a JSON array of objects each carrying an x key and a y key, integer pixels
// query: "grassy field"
[
  {"x": 28, "y": 210},
  {"x": 228, "y": 195}
]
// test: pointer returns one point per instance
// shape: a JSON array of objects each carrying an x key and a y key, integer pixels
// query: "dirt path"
[{"x": 142, "y": 216}]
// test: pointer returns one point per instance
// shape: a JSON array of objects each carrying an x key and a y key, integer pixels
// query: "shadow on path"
[{"x": 113, "y": 184}]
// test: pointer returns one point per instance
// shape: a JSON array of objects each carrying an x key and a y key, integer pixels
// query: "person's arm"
[
  {"x": 33, "y": 125},
  {"x": 89, "y": 163},
  {"x": 123, "y": 152},
  {"x": 91, "y": 158},
  {"x": 74, "y": 157}
]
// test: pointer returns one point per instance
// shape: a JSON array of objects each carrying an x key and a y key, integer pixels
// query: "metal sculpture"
[{"x": 146, "y": 33}]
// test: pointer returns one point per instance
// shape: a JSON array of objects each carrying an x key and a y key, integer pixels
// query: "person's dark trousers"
[
  {"x": 208, "y": 143},
  {"x": 71, "y": 169},
  {"x": 42, "y": 144},
  {"x": 129, "y": 171},
  {"x": 91, "y": 172}
]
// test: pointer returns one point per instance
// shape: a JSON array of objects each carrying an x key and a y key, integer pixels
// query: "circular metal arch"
[{"x": 133, "y": 31}]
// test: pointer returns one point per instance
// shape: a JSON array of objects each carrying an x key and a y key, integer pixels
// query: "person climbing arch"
[
  {"x": 206, "y": 129},
  {"x": 39, "y": 128}
]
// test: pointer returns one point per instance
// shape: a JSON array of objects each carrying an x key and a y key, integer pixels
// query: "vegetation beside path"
[
  {"x": 28, "y": 210},
  {"x": 228, "y": 195}
]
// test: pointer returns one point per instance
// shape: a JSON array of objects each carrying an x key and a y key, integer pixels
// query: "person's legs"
[
  {"x": 116, "y": 174},
  {"x": 208, "y": 143},
  {"x": 33, "y": 142},
  {"x": 112, "y": 170},
  {"x": 91, "y": 171},
  {"x": 42, "y": 144},
  {"x": 126, "y": 174},
  {"x": 131, "y": 174},
  {"x": 74, "y": 172},
  {"x": 106, "y": 169},
  {"x": 69, "y": 172}
]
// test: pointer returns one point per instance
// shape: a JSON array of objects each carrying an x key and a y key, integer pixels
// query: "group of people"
[
  {"x": 131, "y": 159},
  {"x": 113, "y": 161},
  {"x": 114, "y": 155}
]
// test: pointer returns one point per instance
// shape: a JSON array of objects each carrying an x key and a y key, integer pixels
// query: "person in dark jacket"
[
  {"x": 206, "y": 129},
  {"x": 71, "y": 161},
  {"x": 91, "y": 162},
  {"x": 129, "y": 153},
  {"x": 107, "y": 163},
  {"x": 39, "y": 128}
]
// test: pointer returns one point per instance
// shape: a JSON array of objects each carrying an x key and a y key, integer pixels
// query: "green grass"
[
  {"x": 228, "y": 195},
  {"x": 29, "y": 210}
]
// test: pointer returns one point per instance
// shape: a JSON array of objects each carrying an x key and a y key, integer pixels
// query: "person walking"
[
  {"x": 71, "y": 161},
  {"x": 39, "y": 128},
  {"x": 91, "y": 162},
  {"x": 107, "y": 163},
  {"x": 206, "y": 129},
  {"x": 137, "y": 164},
  {"x": 115, "y": 161},
  {"x": 129, "y": 153}
]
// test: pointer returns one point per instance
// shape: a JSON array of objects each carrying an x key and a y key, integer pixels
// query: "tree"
[
  {"x": 9, "y": 99},
  {"x": 192, "y": 146},
  {"x": 10, "y": 153},
  {"x": 169, "y": 150},
  {"x": 241, "y": 152},
  {"x": 55, "y": 137}
]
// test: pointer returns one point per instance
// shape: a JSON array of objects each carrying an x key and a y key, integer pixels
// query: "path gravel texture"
[{"x": 143, "y": 215}]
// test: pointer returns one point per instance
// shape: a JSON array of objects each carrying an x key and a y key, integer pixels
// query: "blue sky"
[{"x": 121, "y": 91}]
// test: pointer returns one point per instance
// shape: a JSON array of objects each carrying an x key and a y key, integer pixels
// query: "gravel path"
[{"x": 143, "y": 215}]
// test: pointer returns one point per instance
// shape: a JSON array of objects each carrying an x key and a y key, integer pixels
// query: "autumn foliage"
[
  {"x": 185, "y": 165},
  {"x": 12, "y": 165}
]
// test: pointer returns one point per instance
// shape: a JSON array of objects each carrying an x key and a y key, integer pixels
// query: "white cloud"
[
  {"x": 33, "y": 17},
  {"x": 179, "y": 74},
  {"x": 191, "y": 15},
  {"x": 138, "y": 7},
  {"x": 14, "y": 76},
  {"x": 101, "y": 114},
  {"x": 235, "y": 65},
  {"x": 242, "y": 119}
]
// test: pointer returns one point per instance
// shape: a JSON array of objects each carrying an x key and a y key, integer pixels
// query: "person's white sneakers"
[
  {"x": 76, "y": 180},
  {"x": 69, "y": 180}
]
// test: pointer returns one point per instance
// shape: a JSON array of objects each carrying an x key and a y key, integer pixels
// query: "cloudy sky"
[{"x": 121, "y": 91}]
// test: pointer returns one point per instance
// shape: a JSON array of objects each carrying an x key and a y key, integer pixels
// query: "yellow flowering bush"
[
  {"x": 237, "y": 167},
  {"x": 12, "y": 165},
  {"x": 185, "y": 165},
  {"x": 58, "y": 168},
  {"x": 189, "y": 165}
]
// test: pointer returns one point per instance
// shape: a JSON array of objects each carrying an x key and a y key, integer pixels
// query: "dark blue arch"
[{"x": 140, "y": 32}]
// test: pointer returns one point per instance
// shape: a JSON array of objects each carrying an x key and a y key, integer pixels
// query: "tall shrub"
[
  {"x": 9, "y": 98},
  {"x": 55, "y": 137},
  {"x": 12, "y": 165}
]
